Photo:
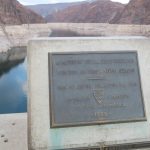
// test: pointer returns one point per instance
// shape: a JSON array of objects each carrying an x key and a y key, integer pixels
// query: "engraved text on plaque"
[{"x": 94, "y": 88}]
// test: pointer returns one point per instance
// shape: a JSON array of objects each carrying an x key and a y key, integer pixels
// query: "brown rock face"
[
  {"x": 12, "y": 12},
  {"x": 136, "y": 12},
  {"x": 100, "y": 11}
]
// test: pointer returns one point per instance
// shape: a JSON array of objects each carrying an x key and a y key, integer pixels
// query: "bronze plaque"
[{"x": 90, "y": 88}]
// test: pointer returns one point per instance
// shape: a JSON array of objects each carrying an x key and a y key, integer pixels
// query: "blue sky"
[{"x": 33, "y": 2}]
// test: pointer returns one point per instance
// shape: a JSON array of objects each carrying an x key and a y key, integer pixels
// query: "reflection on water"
[
  {"x": 6, "y": 66},
  {"x": 13, "y": 98}
]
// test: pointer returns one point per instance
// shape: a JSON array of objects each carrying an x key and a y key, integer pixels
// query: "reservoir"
[{"x": 13, "y": 87}]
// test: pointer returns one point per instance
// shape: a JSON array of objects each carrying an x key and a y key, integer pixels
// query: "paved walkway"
[{"x": 13, "y": 132}]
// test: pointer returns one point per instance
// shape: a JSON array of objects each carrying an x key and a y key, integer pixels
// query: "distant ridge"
[
  {"x": 47, "y": 9},
  {"x": 97, "y": 11},
  {"x": 12, "y": 12},
  {"x": 136, "y": 12}
]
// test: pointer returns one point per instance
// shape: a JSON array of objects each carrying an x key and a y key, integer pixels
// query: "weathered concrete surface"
[
  {"x": 13, "y": 54},
  {"x": 41, "y": 136},
  {"x": 19, "y": 35},
  {"x": 14, "y": 39},
  {"x": 13, "y": 127},
  {"x": 16, "y": 53},
  {"x": 13, "y": 131},
  {"x": 103, "y": 29},
  {"x": 14, "y": 36}
]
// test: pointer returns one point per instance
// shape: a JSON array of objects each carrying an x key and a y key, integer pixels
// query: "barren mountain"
[
  {"x": 136, "y": 12},
  {"x": 100, "y": 11},
  {"x": 12, "y": 12},
  {"x": 47, "y": 9}
]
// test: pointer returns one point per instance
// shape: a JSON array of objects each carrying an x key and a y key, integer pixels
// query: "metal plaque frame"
[{"x": 50, "y": 70}]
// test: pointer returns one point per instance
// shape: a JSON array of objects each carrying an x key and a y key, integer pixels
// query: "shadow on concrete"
[{"x": 68, "y": 33}]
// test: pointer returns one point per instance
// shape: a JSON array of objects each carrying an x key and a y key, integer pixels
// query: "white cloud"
[
  {"x": 33, "y": 2},
  {"x": 121, "y": 1}
]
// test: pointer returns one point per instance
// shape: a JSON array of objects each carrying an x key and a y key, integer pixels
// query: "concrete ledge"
[
  {"x": 41, "y": 136},
  {"x": 13, "y": 131}
]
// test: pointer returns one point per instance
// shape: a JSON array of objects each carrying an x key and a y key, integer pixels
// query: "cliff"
[
  {"x": 12, "y": 12},
  {"x": 100, "y": 11},
  {"x": 47, "y": 9},
  {"x": 136, "y": 12}
]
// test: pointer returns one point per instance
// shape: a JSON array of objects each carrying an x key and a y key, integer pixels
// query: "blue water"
[{"x": 13, "y": 90}]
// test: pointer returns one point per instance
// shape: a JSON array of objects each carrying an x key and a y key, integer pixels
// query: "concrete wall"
[
  {"x": 41, "y": 136},
  {"x": 13, "y": 54},
  {"x": 19, "y": 35},
  {"x": 13, "y": 131},
  {"x": 100, "y": 29},
  {"x": 14, "y": 36}
]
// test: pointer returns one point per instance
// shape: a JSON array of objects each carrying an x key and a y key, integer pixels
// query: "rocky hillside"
[
  {"x": 100, "y": 11},
  {"x": 136, "y": 12},
  {"x": 12, "y": 12},
  {"x": 47, "y": 9}
]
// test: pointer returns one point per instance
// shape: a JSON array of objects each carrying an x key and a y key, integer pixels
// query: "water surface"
[{"x": 13, "y": 87}]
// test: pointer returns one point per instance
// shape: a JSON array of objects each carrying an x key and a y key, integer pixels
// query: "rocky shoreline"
[
  {"x": 13, "y": 54},
  {"x": 14, "y": 39}
]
